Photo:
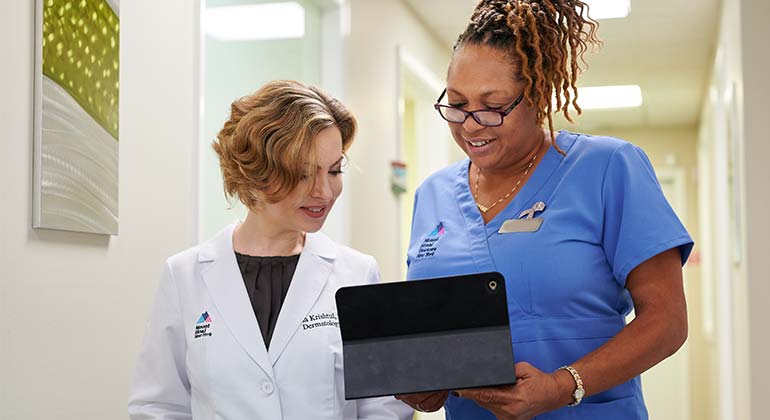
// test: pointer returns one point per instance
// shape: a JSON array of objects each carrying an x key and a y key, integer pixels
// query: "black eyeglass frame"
[{"x": 472, "y": 114}]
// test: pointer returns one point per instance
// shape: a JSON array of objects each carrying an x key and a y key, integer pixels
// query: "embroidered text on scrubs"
[
  {"x": 428, "y": 246},
  {"x": 427, "y": 249}
]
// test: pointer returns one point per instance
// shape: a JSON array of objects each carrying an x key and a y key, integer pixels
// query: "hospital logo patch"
[
  {"x": 430, "y": 243},
  {"x": 203, "y": 326}
]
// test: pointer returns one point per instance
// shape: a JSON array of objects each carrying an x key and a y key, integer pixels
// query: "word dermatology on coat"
[{"x": 322, "y": 319}]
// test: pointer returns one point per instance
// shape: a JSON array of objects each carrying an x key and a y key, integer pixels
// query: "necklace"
[{"x": 484, "y": 208}]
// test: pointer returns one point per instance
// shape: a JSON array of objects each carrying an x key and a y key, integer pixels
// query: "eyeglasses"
[{"x": 485, "y": 117}]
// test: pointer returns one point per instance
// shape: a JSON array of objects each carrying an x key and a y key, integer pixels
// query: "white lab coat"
[{"x": 216, "y": 367}]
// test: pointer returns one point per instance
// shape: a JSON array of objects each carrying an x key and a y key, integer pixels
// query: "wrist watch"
[{"x": 580, "y": 392}]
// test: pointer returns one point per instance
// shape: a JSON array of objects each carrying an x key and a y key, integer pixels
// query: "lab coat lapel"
[
  {"x": 310, "y": 277},
  {"x": 225, "y": 285}
]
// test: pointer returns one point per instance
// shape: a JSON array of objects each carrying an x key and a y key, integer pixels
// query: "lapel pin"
[{"x": 530, "y": 212}]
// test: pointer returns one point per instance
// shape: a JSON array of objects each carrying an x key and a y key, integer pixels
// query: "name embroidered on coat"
[{"x": 322, "y": 319}]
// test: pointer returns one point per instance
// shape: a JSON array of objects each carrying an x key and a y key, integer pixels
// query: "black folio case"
[{"x": 425, "y": 335}]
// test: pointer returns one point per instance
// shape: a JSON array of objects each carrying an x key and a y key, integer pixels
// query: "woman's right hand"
[{"x": 426, "y": 402}]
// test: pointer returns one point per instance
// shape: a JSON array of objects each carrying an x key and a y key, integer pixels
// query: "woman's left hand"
[{"x": 534, "y": 393}]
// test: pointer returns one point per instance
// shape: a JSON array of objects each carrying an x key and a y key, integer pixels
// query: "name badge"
[
  {"x": 521, "y": 225},
  {"x": 527, "y": 222}
]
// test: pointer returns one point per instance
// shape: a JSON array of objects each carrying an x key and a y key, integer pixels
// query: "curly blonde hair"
[
  {"x": 266, "y": 146},
  {"x": 545, "y": 39}
]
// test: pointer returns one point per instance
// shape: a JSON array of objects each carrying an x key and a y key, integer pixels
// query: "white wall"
[
  {"x": 733, "y": 135},
  {"x": 73, "y": 306},
  {"x": 756, "y": 91},
  {"x": 377, "y": 27}
]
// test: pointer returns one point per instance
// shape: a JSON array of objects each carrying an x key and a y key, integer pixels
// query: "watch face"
[{"x": 579, "y": 393}]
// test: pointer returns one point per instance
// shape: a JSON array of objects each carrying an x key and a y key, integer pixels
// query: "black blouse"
[{"x": 267, "y": 281}]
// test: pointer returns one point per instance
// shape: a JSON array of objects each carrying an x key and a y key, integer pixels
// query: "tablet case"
[{"x": 425, "y": 335}]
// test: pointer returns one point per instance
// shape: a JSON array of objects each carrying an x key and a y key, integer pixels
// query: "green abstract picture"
[{"x": 76, "y": 115}]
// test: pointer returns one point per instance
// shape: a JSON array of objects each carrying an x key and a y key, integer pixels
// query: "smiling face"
[
  {"x": 481, "y": 77},
  {"x": 306, "y": 207}
]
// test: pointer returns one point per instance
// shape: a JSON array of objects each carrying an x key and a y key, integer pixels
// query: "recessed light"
[
  {"x": 608, "y": 9},
  {"x": 608, "y": 97},
  {"x": 255, "y": 21}
]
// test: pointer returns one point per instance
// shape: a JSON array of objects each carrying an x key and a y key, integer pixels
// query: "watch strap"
[{"x": 577, "y": 395}]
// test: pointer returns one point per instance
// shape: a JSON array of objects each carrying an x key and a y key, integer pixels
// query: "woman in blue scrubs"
[{"x": 577, "y": 224}]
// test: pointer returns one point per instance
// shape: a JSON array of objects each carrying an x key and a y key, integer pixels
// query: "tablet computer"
[{"x": 425, "y": 335}]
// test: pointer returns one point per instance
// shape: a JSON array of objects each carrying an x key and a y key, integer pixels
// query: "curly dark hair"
[{"x": 545, "y": 40}]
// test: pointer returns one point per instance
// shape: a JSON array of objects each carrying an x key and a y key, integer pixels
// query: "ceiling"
[{"x": 664, "y": 46}]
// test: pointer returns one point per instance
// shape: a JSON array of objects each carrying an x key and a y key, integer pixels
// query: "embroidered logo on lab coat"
[
  {"x": 322, "y": 319},
  {"x": 430, "y": 243},
  {"x": 203, "y": 326}
]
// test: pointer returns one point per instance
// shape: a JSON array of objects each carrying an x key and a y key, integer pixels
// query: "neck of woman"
[
  {"x": 257, "y": 237},
  {"x": 516, "y": 169}
]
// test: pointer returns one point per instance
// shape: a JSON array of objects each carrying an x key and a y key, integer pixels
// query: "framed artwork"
[{"x": 77, "y": 69}]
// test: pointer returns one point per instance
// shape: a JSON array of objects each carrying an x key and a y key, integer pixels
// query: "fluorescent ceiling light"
[
  {"x": 608, "y": 9},
  {"x": 255, "y": 21},
  {"x": 422, "y": 72},
  {"x": 606, "y": 97}
]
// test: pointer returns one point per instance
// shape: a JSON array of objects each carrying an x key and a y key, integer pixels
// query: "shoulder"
[
  {"x": 345, "y": 258},
  {"x": 353, "y": 267},
  {"x": 600, "y": 156},
  {"x": 184, "y": 258},
  {"x": 205, "y": 251},
  {"x": 445, "y": 178},
  {"x": 355, "y": 257},
  {"x": 587, "y": 146}
]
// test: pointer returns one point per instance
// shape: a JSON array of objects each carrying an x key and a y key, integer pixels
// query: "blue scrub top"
[{"x": 605, "y": 214}]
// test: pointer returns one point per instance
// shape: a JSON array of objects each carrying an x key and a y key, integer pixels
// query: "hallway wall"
[
  {"x": 756, "y": 91},
  {"x": 372, "y": 94},
  {"x": 73, "y": 306},
  {"x": 734, "y": 154}
]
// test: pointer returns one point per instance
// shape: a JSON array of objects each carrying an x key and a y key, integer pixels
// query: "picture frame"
[{"x": 76, "y": 115}]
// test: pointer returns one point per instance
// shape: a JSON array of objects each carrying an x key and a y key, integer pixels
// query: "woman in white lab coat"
[{"x": 245, "y": 326}]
